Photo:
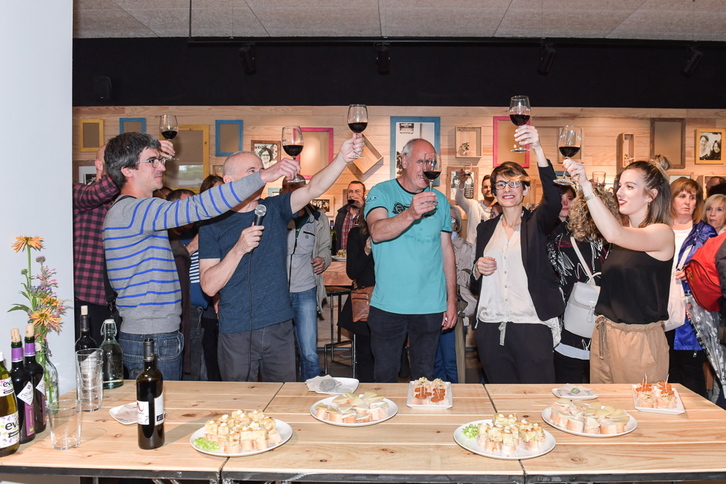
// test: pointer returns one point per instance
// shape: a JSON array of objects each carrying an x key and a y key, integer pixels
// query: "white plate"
[
  {"x": 347, "y": 385},
  {"x": 565, "y": 391},
  {"x": 126, "y": 414},
  {"x": 392, "y": 410},
  {"x": 283, "y": 429},
  {"x": 447, "y": 402},
  {"x": 341, "y": 259},
  {"x": 473, "y": 446},
  {"x": 678, "y": 409},
  {"x": 629, "y": 427}
]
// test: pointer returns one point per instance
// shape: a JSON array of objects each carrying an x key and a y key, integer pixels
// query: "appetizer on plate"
[
  {"x": 351, "y": 408},
  {"x": 425, "y": 392},
  {"x": 504, "y": 435},
  {"x": 658, "y": 395},
  {"x": 241, "y": 431},
  {"x": 588, "y": 417}
]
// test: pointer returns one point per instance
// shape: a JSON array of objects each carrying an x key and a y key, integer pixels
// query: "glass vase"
[{"x": 50, "y": 372}]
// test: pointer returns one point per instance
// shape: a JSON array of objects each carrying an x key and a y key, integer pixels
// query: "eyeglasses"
[
  {"x": 155, "y": 161},
  {"x": 501, "y": 185}
]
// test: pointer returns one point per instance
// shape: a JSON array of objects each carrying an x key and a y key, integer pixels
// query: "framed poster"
[
  {"x": 127, "y": 125},
  {"x": 268, "y": 151},
  {"x": 504, "y": 143},
  {"x": 709, "y": 146},
  {"x": 404, "y": 129},
  {"x": 90, "y": 135}
]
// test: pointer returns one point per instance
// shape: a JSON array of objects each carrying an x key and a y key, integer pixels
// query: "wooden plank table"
[
  {"x": 110, "y": 449},
  {"x": 689, "y": 446},
  {"x": 416, "y": 445}
]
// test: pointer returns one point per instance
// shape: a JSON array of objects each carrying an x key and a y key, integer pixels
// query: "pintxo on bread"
[
  {"x": 655, "y": 395},
  {"x": 588, "y": 417},
  {"x": 505, "y": 434},
  {"x": 425, "y": 392},
  {"x": 242, "y": 431},
  {"x": 351, "y": 408}
]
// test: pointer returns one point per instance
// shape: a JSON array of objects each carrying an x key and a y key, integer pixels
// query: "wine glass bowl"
[
  {"x": 169, "y": 128},
  {"x": 357, "y": 118},
  {"x": 519, "y": 113},
  {"x": 292, "y": 143},
  {"x": 569, "y": 143},
  {"x": 432, "y": 169}
]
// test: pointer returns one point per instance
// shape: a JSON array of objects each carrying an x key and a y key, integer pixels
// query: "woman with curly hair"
[
  {"x": 572, "y": 355},
  {"x": 629, "y": 343}
]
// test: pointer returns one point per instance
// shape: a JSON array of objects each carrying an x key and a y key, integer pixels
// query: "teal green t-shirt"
[{"x": 410, "y": 268}]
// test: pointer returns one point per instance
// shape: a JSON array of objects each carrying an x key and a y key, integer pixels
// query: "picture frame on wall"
[
  {"x": 675, "y": 176},
  {"x": 668, "y": 139},
  {"x": 706, "y": 178},
  {"x": 229, "y": 136},
  {"x": 322, "y": 204},
  {"x": 471, "y": 185},
  {"x": 468, "y": 142},
  {"x": 268, "y": 151},
  {"x": 406, "y": 128},
  {"x": 709, "y": 146}
]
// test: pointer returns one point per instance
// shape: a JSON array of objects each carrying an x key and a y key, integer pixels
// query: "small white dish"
[
  {"x": 126, "y": 414},
  {"x": 473, "y": 446},
  {"x": 283, "y": 429},
  {"x": 574, "y": 392}
]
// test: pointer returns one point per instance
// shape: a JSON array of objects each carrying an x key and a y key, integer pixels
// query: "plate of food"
[
  {"x": 341, "y": 255},
  {"x": 659, "y": 397},
  {"x": 589, "y": 418},
  {"x": 126, "y": 414},
  {"x": 574, "y": 392},
  {"x": 241, "y": 433},
  {"x": 425, "y": 393},
  {"x": 339, "y": 259},
  {"x": 505, "y": 438},
  {"x": 354, "y": 410}
]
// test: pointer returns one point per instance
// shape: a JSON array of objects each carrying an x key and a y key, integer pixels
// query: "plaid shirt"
[
  {"x": 90, "y": 204},
  {"x": 350, "y": 221}
]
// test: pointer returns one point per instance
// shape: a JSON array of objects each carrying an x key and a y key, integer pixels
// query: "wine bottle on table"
[
  {"x": 113, "y": 356},
  {"x": 150, "y": 401},
  {"x": 9, "y": 422},
  {"x": 36, "y": 374},
  {"x": 85, "y": 341},
  {"x": 23, "y": 387}
]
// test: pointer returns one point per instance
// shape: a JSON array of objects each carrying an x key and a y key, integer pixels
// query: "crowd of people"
[{"x": 230, "y": 285}]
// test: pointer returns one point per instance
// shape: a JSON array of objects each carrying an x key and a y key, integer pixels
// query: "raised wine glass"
[
  {"x": 357, "y": 119},
  {"x": 519, "y": 112},
  {"x": 569, "y": 143},
  {"x": 432, "y": 170},
  {"x": 169, "y": 128},
  {"x": 292, "y": 143}
]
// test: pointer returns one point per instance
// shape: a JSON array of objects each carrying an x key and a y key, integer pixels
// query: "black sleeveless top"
[{"x": 634, "y": 287}]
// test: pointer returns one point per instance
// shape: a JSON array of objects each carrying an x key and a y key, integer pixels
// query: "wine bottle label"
[
  {"x": 41, "y": 385},
  {"x": 6, "y": 387},
  {"x": 26, "y": 394},
  {"x": 9, "y": 430},
  {"x": 144, "y": 414}
]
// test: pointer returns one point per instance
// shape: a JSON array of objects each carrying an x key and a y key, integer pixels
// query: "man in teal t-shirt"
[{"x": 415, "y": 293}]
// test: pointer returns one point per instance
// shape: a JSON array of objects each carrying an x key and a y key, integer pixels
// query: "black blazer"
[{"x": 536, "y": 225}]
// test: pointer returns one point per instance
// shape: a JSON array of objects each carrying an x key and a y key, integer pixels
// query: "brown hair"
[
  {"x": 659, "y": 210},
  {"x": 511, "y": 171},
  {"x": 684, "y": 184}
]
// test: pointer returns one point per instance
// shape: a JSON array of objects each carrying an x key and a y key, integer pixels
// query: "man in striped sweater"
[{"x": 139, "y": 259}]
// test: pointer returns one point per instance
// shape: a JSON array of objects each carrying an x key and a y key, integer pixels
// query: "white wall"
[{"x": 35, "y": 157}]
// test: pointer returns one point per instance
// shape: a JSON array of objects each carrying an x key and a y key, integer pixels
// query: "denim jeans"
[
  {"x": 388, "y": 335},
  {"x": 167, "y": 346},
  {"x": 445, "y": 365},
  {"x": 197, "y": 365},
  {"x": 305, "y": 310}
]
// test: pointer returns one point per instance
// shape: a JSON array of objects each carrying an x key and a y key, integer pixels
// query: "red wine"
[
  {"x": 150, "y": 401},
  {"x": 432, "y": 174},
  {"x": 519, "y": 119},
  {"x": 569, "y": 151},
  {"x": 293, "y": 150},
  {"x": 168, "y": 134},
  {"x": 357, "y": 127}
]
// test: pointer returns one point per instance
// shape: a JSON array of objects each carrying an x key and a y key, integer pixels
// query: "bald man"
[{"x": 246, "y": 264}]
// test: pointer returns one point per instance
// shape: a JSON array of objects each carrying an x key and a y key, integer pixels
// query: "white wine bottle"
[
  {"x": 9, "y": 423},
  {"x": 150, "y": 401}
]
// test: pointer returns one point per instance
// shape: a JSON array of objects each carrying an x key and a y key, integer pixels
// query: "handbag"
[
  {"x": 676, "y": 300},
  {"x": 360, "y": 302},
  {"x": 579, "y": 317}
]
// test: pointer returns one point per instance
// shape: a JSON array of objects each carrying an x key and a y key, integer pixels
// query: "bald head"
[{"x": 241, "y": 164}]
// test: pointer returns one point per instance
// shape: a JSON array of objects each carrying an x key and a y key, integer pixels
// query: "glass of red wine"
[
  {"x": 357, "y": 119},
  {"x": 432, "y": 169},
  {"x": 292, "y": 143},
  {"x": 569, "y": 144},
  {"x": 519, "y": 112},
  {"x": 169, "y": 128}
]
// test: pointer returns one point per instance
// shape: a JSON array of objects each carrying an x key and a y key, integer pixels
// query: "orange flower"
[
  {"x": 32, "y": 242},
  {"x": 44, "y": 320}
]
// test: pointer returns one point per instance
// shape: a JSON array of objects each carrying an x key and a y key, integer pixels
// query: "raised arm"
[
  {"x": 324, "y": 179},
  {"x": 88, "y": 197}
]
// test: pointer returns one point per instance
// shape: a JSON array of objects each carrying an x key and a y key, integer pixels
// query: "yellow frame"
[{"x": 84, "y": 126}]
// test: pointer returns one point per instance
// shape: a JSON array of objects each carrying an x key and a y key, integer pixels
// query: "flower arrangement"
[{"x": 44, "y": 308}]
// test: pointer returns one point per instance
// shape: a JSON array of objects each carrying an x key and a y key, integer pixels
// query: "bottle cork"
[
  {"x": 29, "y": 331},
  {"x": 15, "y": 335},
  {"x": 84, "y": 310}
]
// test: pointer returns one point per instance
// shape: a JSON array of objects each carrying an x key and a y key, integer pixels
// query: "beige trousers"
[{"x": 628, "y": 353}]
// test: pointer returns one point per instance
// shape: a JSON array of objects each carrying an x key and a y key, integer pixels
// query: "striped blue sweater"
[{"x": 139, "y": 259}]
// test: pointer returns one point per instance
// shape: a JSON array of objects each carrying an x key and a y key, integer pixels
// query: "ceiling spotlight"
[
  {"x": 692, "y": 59},
  {"x": 546, "y": 59},
  {"x": 247, "y": 56},
  {"x": 383, "y": 57}
]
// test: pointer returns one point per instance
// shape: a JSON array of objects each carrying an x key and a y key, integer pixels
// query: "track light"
[
  {"x": 692, "y": 59},
  {"x": 383, "y": 57},
  {"x": 546, "y": 59},
  {"x": 247, "y": 56}
]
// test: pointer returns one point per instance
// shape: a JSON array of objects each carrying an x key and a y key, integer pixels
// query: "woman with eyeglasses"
[{"x": 520, "y": 299}]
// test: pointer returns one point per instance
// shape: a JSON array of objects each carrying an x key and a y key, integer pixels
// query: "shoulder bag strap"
[{"x": 590, "y": 275}]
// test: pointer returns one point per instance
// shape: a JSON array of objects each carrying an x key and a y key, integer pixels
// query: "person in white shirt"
[{"x": 476, "y": 211}]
